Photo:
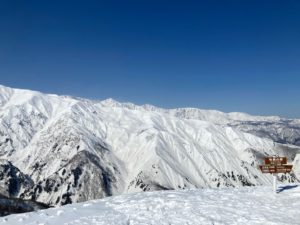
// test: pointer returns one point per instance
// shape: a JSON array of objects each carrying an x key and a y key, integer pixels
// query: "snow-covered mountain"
[{"x": 62, "y": 149}]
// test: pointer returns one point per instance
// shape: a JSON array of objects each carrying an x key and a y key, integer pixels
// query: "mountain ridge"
[{"x": 114, "y": 103}]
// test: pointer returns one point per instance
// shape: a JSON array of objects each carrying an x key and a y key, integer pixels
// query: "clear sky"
[{"x": 225, "y": 55}]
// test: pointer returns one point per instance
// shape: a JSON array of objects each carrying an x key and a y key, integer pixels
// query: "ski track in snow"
[{"x": 247, "y": 205}]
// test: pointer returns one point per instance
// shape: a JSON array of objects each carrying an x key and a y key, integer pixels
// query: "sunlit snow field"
[{"x": 246, "y": 205}]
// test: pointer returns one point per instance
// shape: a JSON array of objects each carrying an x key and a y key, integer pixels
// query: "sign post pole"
[{"x": 274, "y": 183}]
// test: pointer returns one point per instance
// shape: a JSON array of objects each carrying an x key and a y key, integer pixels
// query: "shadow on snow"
[{"x": 287, "y": 187}]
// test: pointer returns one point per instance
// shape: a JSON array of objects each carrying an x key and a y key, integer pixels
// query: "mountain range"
[{"x": 61, "y": 149}]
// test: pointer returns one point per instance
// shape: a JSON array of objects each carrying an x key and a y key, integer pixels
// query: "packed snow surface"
[{"x": 245, "y": 205}]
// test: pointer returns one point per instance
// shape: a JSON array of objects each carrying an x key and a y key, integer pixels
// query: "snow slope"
[
  {"x": 63, "y": 150},
  {"x": 247, "y": 205}
]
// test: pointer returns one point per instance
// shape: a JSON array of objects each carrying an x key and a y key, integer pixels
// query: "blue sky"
[{"x": 225, "y": 55}]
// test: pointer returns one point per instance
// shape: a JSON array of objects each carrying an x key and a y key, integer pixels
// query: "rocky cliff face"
[
  {"x": 58, "y": 149},
  {"x": 12, "y": 180}
]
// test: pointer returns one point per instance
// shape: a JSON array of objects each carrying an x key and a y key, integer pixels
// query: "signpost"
[{"x": 275, "y": 165}]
